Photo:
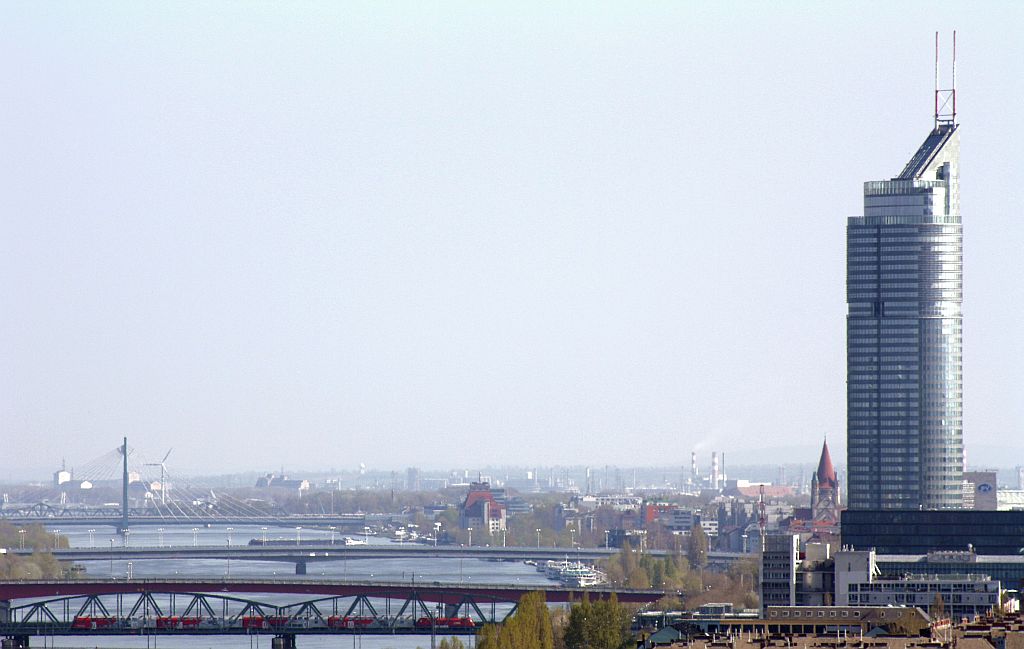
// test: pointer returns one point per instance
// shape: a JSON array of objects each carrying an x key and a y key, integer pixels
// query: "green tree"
[
  {"x": 41, "y": 564},
  {"x": 613, "y": 624},
  {"x": 697, "y": 552},
  {"x": 451, "y": 643},
  {"x": 489, "y": 637},
  {"x": 638, "y": 579},
  {"x": 600, "y": 625},
  {"x": 529, "y": 628},
  {"x": 577, "y": 631}
]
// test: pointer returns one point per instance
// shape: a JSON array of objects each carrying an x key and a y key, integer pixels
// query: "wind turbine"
[{"x": 163, "y": 471}]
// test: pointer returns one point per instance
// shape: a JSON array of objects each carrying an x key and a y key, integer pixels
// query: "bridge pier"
[
  {"x": 10, "y": 642},
  {"x": 300, "y": 569},
  {"x": 17, "y": 642},
  {"x": 283, "y": 641}
]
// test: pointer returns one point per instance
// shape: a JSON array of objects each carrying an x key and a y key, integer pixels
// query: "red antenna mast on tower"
[{"x": 945, "y": 98}]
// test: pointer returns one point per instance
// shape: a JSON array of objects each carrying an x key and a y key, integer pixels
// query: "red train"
[
  {"x": 338, "y": 622},
  {"x": 87, "y": 623},
  {"x": 448, "y": 622},
  {"x": 175, "y": 622},
  {"x": 254, "y": 622}
]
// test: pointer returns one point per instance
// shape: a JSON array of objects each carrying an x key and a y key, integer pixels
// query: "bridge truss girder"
[{"x": 139, "y": 612}]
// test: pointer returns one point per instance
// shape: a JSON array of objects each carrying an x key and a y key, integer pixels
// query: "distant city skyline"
[{"x": 412, "y": 235}]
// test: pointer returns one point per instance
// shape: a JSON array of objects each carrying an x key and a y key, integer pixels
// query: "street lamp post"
[
  {"x": 127, "y": 533},
  {"x": 264, "y": 531},
  {"x": 195, "y": 536},
  {"x": 437, "y": 532},
  {"x": 298, "y": 533},
  {"x": 470, "y": 530},
  {"x": 56, "y": 538},
  {"x": 538, "y": 537},
  {"x": 21, "y": 533},
  {"x": 333, "y": 528},
  {"x": 92, "y": 541},
  {"x": 229, "y": 530},
  {"x": 606, "y": 539}
]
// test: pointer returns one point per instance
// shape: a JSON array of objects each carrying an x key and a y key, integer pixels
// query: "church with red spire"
[{"x": 825, "y": 500}]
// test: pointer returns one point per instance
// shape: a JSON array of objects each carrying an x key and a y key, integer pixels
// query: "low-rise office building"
[
  {"x": 858, "y": 581},
  {"x": 1009, "y": 570},
  {"x": 855, "y": 578}
]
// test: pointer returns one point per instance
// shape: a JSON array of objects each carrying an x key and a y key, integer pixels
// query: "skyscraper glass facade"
[{"x": 904, "y": 295}]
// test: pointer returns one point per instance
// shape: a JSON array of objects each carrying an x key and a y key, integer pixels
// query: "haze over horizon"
[{"x": 450, "y": 235}]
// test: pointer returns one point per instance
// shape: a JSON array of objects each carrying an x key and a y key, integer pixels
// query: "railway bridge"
[{"x": 284, "y": 609}]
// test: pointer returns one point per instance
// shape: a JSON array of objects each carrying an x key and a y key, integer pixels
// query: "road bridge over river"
[
  {"x": 63, "y": 517},
  {"x": 303, "y": 554}
]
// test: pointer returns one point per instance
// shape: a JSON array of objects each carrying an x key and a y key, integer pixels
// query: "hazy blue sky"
[{"x": 465, "y": 233}]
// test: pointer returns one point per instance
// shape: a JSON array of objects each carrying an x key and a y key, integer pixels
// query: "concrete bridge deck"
[
  {"x": 310, "y": 552},
  {"x": 429, "y": 591},
  {"x": 305, "y": 553}
]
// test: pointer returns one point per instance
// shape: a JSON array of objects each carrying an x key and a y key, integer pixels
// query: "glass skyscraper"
[{"x": 904, "y": 293}]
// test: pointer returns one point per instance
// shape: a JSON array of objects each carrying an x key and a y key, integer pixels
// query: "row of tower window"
[
  {"x": 866, "y": 296},
  {"x": 872, "y": 232},
  {"x": 869, "y": 274},
  {"x": 930, "y": 410},
  {"x": 902, "y": 283},
  {"x": 869, "y": 223},
  {"x": 863, "y": 243}
]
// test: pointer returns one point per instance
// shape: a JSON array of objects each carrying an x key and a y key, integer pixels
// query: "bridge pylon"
[{"x": 123, "y": 525}]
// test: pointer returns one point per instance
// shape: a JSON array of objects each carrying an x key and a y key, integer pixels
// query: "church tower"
[{"x": 825, "y": 491}]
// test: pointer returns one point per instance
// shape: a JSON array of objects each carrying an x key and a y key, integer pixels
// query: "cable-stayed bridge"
[
  {"x": 147, "y": 493},
  {"x": 137, "y": 516}
]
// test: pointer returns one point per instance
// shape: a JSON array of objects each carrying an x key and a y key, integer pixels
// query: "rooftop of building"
[
  {"x": 927, "y": 152},
  {"x": 932, "y": 577},
  {"x": 480, "y": 493},
  {"x": 811, "y": 640},
  {"x": 924, "y": 558}
]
